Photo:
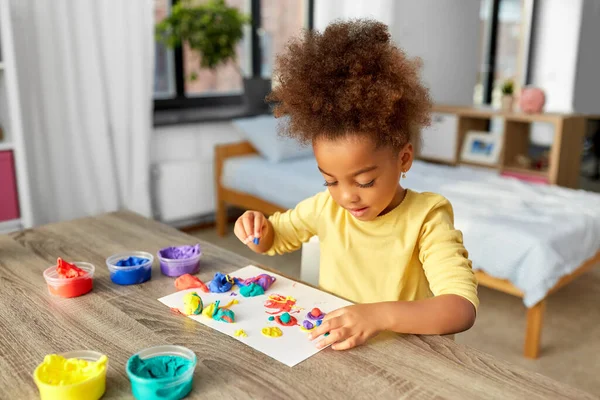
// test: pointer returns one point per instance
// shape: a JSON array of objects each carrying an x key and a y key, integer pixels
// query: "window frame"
[{"x": 181, "y": 101}]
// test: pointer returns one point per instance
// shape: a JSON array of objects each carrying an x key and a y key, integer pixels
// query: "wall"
[
  {"x": 183, "y": 188},
  {"x": 586, "y": 98},
  {"x": 444, "y": 34}
]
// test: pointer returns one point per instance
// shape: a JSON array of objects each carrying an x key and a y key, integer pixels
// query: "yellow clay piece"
[
  {"x": 272, "y": 332},
  {"x": 240, "y": 333},
  {"x": 192, "y": 304}
]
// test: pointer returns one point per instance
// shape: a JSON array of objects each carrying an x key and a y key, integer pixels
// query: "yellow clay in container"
[{"x": 72, "y": 376}]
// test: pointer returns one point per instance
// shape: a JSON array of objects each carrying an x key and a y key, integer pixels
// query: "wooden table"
[{"x": 121, "y": 320}]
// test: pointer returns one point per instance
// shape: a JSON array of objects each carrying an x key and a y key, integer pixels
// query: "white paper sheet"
[{"x": 251, "y": 315}]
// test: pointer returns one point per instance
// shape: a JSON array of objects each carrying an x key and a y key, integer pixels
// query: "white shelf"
[
  {"x": 6, "y": 146},
  {"x": 10, "y": 226}
]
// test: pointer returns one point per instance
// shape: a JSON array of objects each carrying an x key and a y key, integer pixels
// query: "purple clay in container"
[{"x": 180, "y": 260}]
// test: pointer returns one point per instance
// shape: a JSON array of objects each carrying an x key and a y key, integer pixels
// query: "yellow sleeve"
[
  {"x": 444, "y": 257},
  {"x": 296, "y": 226}
]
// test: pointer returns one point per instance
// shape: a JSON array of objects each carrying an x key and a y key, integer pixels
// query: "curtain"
[{"x": 85, "y": 76}]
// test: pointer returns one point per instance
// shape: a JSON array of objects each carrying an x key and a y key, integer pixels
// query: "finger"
[
  {"x": 238, "y": 230},
  {"x": 326, "y": 326},
  {"x": 348, "y": 343},
  {"x": 335, "y": 335},
  {"x": 248, "y": 222},
  {"x": 258, "y": 223}
]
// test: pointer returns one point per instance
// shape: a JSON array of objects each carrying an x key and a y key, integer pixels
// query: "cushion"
[{"x": 261, "y": 132}]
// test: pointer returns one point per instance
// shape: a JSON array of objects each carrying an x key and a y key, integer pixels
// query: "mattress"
[{"x": 529, "y": 234}]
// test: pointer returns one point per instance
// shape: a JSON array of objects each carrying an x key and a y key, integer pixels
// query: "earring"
[{"x": 403, "y": 174}]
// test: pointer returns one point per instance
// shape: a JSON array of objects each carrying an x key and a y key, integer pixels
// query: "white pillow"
[{"x": 261, "y": 132}]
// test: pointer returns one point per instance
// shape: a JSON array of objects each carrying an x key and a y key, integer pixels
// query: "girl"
[{"x": 357, "y": 98}]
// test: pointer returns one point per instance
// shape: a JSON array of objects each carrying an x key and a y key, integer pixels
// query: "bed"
[{"x": 524, "y": 239}]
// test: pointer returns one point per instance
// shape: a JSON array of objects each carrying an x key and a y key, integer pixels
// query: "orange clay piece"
[{"x": 187, "y": 281}]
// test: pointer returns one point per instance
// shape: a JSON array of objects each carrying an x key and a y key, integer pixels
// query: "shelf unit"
[
  {"x": 10, "y": 119},
  {"x": 564, "y": 158}
]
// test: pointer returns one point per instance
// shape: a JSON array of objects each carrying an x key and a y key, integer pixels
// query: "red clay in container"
[{"x": 69, "y": 280}]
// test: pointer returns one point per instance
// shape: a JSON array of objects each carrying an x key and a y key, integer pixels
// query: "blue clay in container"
[
  {"x": 130, "y": 268},
  {"x": 132, "y": 276}
]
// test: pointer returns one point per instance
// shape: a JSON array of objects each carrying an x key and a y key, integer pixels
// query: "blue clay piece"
[
  {"x": 256, "y": 241},
  {"x": 319, "y": 322},
  {"x": 220, "y": 284},
  {"x": 131, "y": 262}
]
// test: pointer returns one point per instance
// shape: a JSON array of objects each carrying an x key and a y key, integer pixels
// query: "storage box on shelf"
[
  {"x": 564, "y": 156},
  {"x": 15, "y": 201}
]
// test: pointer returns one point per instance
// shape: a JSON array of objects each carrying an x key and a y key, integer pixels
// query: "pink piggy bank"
[{"x": 532, "y": 100}]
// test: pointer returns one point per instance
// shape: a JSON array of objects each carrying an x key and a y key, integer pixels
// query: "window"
[
  {"x": 504, "y": 42},
  {"x": 274, "y": 23},
  {"x": 164, "y": 74}
]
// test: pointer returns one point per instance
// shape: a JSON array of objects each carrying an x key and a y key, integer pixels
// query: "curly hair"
[{"x": 350, "y": 79}]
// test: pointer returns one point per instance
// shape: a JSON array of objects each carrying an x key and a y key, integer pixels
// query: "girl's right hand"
[{"x": 250, "y": 226}]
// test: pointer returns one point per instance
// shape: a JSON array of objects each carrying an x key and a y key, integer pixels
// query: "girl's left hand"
[{"x": 348, "y": 327}]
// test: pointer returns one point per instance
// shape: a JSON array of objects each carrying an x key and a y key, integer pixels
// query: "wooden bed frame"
[{"x": 225, "y": 197}]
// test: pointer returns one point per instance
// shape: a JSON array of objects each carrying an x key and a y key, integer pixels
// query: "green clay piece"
[
  {"x": 285, "y": 318},
  {"x": 224, "y": 315},
  {"x": 252, "y": 290},
  {"x": 271, "y": 318},
  {"x": 327, "y": 334}
]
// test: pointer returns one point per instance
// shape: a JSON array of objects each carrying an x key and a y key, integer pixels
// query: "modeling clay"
[
  {"x": 264, "y": 280},
  {"x": 76, "y": 281},
  {"x": 180, "y": 252},
  {"x": 280, "y": 303},
  {"x": 286, "y": 319},
  {"x": 240, "y": 333},
  {"x": 68, "y": 271},
  {"x": 192, "y": 304},
  {"x": 131, "y": 276},
  {"x": 187, "y": 281},
  {"x": 222, "y": 314},
  {"x": 271, "y": 318},
  {"x": 221, "y": 283},
  {"x": 159, "y": 366},
  {"x": 209, "y": 310},
  {"x": 319, "y": 322},
  {"x": 315, "y": 314},
  {"x": 131, "y": 262},
  {"x": 327, "y": 334},
  {"x": 272, "y": 332},
  {"x": 308, "y": 325},
  {"x": 252, "y": 290},
  {"x": 59, "y": 371}
]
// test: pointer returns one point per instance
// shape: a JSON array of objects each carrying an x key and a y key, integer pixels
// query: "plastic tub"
[
  {"x": 168, "y": 388},
  {"x": 92, "y": 388},
  {"x": 178, "y": 267},
  {"x": 130, "y": 275},
  {"x": 70, "y": 287}
]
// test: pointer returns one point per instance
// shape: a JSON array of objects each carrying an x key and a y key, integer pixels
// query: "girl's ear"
[{"x": 405, "y": 158}]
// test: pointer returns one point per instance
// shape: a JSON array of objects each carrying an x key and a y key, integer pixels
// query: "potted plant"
[
  {"x": 507, "y": 95},
  {"x": 213, "y": 29}
]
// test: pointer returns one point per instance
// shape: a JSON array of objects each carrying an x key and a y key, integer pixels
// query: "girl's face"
[{"x": 362, "y": 178}]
